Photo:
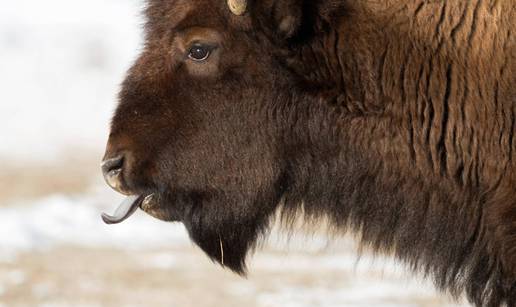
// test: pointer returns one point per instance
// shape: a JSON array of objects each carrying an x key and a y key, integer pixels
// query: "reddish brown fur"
[{"x": 395, "y": 119}]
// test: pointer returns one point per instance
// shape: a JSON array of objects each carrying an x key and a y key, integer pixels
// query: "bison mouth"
[{"x": 128, "y": 206}]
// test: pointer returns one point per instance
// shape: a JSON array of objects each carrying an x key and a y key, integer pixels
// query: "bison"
[{"x": 393, "y": 119}]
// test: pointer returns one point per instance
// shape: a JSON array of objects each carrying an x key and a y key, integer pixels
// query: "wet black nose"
[{"x": 112, "y": 169}]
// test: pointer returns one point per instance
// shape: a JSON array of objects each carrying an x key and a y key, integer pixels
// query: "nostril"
[
  {"x": 113, "y": 164},
  {"x": 113, "y": 171}
]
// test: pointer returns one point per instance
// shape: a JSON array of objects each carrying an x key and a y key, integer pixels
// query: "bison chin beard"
[{"x": 227, "y": 230}]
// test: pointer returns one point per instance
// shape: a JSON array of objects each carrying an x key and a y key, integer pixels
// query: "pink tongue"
[{"x": 124, "y": 211}]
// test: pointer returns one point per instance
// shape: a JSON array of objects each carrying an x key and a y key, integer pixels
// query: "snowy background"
[{"x": 61, "y": 62}]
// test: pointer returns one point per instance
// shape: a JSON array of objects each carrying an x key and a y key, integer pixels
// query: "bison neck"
[
  {"x": 351, "y": 178},
  {"x": 371, "y": 147}
]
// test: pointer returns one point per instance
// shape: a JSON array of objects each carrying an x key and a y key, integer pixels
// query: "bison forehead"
[
  {"x": 163, "y": 15},
  {"x": 167, "y": 13}
]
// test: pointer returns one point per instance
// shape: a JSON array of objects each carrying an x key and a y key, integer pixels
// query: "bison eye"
[{"x": 199, "y": 53}]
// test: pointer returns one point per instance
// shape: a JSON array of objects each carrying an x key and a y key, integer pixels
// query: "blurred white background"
[{"x": 61, "y": 63}]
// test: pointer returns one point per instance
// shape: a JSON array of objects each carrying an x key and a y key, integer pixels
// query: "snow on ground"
[{"x": 64, "y": 219}]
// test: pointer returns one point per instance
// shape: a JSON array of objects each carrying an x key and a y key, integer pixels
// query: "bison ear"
[
  {"x": 288, "y": 15},
  {"x": 296, "y": 19},
  {"x": 282, "y": 18}
]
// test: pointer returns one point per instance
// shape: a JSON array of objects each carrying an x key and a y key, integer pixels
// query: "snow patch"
[{"x": 75, "y": 220}]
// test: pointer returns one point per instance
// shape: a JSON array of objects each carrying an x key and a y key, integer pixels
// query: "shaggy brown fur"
[{"x": 394, "y": 119}]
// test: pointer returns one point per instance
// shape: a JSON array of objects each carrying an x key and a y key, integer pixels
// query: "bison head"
[{"x": 200, "y": 133}]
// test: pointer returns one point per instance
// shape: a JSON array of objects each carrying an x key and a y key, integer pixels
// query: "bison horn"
[{"x": 237, "y": 7}]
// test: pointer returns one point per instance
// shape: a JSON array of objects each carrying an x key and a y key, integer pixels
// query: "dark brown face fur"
[{"x": 200, "y": 133}]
